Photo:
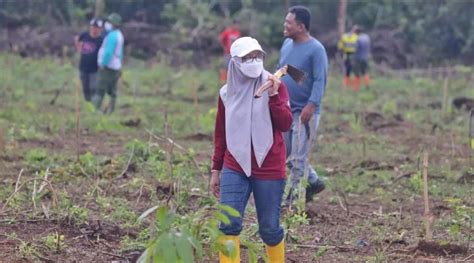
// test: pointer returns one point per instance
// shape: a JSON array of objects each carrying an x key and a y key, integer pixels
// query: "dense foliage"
[{"x": 434, "y": 31}]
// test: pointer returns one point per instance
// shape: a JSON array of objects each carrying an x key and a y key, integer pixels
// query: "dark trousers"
[
  {"x": 348, "y": 64},
  {"x": 360, "y": 67},
  {"x": 89, "y": 84},
  {"x": 107, "y": 83}
]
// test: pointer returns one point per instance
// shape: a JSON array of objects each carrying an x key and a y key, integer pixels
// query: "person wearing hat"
[
  {"x": 110, "y": 62},
  {"x": 249, "y": 149},
  {"x": 88, "y": 44}
]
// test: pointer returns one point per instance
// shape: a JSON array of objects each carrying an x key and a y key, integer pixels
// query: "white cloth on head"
[{"x": 247, "y": 120}]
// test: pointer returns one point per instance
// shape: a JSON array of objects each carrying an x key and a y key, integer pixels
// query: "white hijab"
[{"x": 247, "y": 120}]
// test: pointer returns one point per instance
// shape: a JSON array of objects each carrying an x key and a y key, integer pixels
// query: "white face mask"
[
  {"x": 108, "y": 26},
  {"x": 252, "y": 69}
]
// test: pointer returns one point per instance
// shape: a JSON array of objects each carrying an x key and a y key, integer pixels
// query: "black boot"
[{"x": 314, "y": 189}]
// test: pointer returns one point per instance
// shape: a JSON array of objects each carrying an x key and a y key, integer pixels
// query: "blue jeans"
[
  {"x": 235, "y": 189},
  {"x": 297, "y": 148}
]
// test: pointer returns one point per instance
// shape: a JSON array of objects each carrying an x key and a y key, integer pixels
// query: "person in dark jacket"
[{"x": 88, "y": 44}]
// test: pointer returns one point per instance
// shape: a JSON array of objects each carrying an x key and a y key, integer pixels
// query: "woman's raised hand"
[{"x": 273, "y": 90}]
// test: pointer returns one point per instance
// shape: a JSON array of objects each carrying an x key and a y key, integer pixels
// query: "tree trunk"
[
  {"x": 225, "y": 8},
  {"x": 99, "y": 8},
  {"x": 341, "y": 18}
]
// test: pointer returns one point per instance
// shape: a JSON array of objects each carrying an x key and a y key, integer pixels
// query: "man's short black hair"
[{"x": 302, "y": 15}]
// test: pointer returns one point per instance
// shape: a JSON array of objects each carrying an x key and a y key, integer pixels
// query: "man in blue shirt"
[{"x": 306, "y": 53}]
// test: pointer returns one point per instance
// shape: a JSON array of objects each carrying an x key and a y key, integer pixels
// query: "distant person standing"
[
  {"x": 110, "y": 62},
  {"x": 227, "y": 37},
  {"x": 306, "y": 53},
  {"x": 347, "y": 45},
  {"x": 361, "y": 59},
  {"x": 88, "y": 44}
]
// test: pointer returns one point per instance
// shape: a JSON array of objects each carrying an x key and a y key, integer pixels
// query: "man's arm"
[
  {"x": 320, "y": 70},
  {"x": 319, "y": 62}
]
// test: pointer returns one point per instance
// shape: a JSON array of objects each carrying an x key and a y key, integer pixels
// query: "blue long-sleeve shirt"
[
  {"x": 310, "y": 57},
  {"x": 111, "y": 52}
]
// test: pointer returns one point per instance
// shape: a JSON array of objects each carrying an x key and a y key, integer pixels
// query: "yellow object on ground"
[
  {"x": 234, "y": 256},
  {"x": 276, "y": 254}
]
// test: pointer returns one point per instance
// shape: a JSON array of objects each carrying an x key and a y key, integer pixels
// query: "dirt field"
[{"x": 65, "y": 198}]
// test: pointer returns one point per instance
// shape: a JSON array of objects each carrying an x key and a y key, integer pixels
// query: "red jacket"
[
  {"x": 227, "y": 37},
  {"x": 274, "y": 165}
]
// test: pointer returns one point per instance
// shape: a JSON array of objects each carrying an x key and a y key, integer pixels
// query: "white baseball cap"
[{"x": 244, "y": 45}]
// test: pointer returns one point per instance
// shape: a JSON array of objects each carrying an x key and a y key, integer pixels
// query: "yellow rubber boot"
[
  {"x": 235, "y": 255},
  {"x": 276, "y": 254}
]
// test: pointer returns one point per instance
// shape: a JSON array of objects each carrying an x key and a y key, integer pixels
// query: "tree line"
[{"x": 432, "y": 32}]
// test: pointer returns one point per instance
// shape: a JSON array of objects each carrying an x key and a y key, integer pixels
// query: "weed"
[
  {"x": 462, "y": 219},
  {"x": 26, "y": 250},
  {"x": 55, "y": 241},
  {"x": 37, "y": 158},
  {"x": 320, "y": 252},
  {"x": 181, "y": 238},
  {"x": 416, "y": 182},
  {"x": 88, "y": 162}
]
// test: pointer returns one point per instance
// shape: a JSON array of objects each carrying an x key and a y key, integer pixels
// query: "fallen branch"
[
  {"x": 139, "y": 195},
  {"x": 112, "y": 254},
  {"x": 427, "y": 215},
  {"x": 466, "y": 259},
  {"x": 344, "y": 248},
  {"x": 36, "y": 254},
  {"x": 18, "y": 179},
  {"x": 9, "y": 221},
  {"x": 55, "y": 199}
]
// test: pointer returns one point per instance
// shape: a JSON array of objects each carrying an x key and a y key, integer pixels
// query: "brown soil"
[{"x": 350, "y": 227}]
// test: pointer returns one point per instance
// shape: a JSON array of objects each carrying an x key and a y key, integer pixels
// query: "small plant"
[
  {"x": 26, "y": 250},
  {"x": 55, "y": 241},
  {"x": 181, "y": 238},
  {"x": 78, "y": 214},
  {"x": 88, "y": 162},
  {"x": 462, "y": 217},
  {"x": 416, "y": 182},
  {"x": 74, "y": 213},
  {"x": 320, "y": 252},
  {"x": 293, "y": 221},
  {"x": 36, "y": 158}
]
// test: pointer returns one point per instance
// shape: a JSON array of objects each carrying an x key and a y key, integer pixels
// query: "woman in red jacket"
[{"x": 249, "y": 152}]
